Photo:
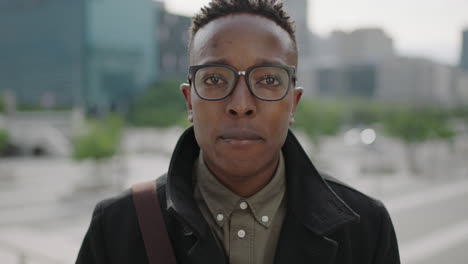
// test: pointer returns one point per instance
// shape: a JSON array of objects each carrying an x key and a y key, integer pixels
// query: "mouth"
[{"x": 241, "y": 137}]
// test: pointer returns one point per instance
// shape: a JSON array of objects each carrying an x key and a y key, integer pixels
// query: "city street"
[{"x": 45, "y": 209}]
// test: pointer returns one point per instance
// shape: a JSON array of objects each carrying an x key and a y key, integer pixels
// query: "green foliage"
[
  {"x": 2, "y": 104},
  {"x": 319, "y": 117},
  {"x": 418, "y": 125},
  {"x": 162, "y": 105},
  {"x": 3, "y": 140},
  {"x": 365, "y": 112},
  {"x": 37, "y": 108},
  {"x": 461, "y": 113},
  {"x": 101, "y": 141}
]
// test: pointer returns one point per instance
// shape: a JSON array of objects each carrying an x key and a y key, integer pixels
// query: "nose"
[{"x": 242, "y": 103}]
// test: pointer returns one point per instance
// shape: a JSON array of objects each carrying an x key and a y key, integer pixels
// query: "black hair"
[{"x": 271, "y": 9}]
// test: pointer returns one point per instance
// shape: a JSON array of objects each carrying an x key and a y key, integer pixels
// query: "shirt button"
[
  {"x": 243, "y": 205},
  {"x": 241, "y": 233},
  {"x": 219, "y": 217},
  {"x": 265, "y": 219}
]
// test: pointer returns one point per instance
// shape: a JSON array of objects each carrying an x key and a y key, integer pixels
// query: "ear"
[
  {"x": 297, "y": 94},
  {"x": 185, "y": 88}
]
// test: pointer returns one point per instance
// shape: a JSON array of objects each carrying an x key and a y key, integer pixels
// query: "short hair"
[{"x": 271, "y": 9}]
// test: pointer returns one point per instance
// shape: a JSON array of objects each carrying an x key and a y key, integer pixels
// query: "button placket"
[
  {"x": 241, "y": 233},
  {"x": 241, "y": 236},
  {"x": 220, "y": 217}
]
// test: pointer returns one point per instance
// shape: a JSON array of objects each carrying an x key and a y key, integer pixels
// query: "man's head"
[{"x": 244, "y": 123}]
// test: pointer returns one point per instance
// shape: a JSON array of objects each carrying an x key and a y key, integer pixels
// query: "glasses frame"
[{"x": 291, "y": 70}]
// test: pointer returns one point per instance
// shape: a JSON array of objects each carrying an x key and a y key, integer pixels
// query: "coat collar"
[
  {"x": 310, "y": 198},
  {"x": 312, "y": 205}
]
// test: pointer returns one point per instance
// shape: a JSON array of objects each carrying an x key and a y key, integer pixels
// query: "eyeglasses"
[{"x": 266, "y": 82}]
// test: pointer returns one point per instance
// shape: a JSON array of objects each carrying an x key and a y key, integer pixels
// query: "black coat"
[{"x": 326, "y": 221}]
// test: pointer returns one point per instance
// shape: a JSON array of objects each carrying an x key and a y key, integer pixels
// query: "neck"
[{"x": 245, "y": 183}]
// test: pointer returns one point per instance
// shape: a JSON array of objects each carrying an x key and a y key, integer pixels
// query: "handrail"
[{"x": 24, "y": 256}]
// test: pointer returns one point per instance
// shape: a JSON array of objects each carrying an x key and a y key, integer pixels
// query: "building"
[
  {"x": 414, "y": 81},
  {"x": 121, "y": 51},
  {"x": 361, "y": 46},
  {"x": 172, "y": 29},
  {"x": 42, "y": 51},
  {"x": 348, "y": 81},
  {"x": 347, "y": 63},
  {"x": 464, "y": 53},
  {"x": 64, "y": 53},
  {"x": 461, "y": 87},
  {"x": 363, "y": 63},
  {"x": 417, "y": 81},
  {"x": 298, "y": 10}
]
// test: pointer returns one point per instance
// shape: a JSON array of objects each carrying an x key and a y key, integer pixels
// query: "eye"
[
  {"x": 269, "y": 80},
  {"x": 214, "y": 79}
]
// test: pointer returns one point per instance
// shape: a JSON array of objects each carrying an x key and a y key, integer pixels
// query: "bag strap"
[{"x": 153, "y": 230}]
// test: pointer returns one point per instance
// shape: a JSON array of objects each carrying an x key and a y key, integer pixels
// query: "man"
[{"x": 240, "y": 189}]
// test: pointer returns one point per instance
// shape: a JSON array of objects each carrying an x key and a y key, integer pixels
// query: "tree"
[
  {"x": 162, "y": 105},
  {"x": 99, "y": 145},
  {"x": 319, "y": 118},
  {"x": 101, "y": 141},
  {"x": 414, "y": 126},
  {"x": 2, "y": 104},
  {"x": 3, "y": 140}
]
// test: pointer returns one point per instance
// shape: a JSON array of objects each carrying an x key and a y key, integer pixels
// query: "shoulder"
[
  {"x": 345, "y": 191},
  {"x": 121, "y": 206},
  {"x": 375, "y": 226},
  {"x": 375, "y": 229}
]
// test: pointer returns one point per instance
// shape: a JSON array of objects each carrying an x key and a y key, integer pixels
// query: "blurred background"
[{"x": 89, "y": 104}]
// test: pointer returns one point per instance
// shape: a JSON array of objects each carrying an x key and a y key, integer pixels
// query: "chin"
[
  {"x": 244, "y": 159},
  {"x": 242, "y": 168}
]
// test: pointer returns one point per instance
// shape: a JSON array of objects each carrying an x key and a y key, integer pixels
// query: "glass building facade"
[
  {"x": 42, "y": 51},
  {"x": 92, "y": 53},
  {"x": 464, "y": 55},
  {"x": 121, "y": 51}
]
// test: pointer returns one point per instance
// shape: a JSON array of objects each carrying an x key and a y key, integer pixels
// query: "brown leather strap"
[{"x": 152, "y": 227}]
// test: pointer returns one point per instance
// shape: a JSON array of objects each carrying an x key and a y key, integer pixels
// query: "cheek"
[
  {"x": 277, "y": 118},
  {"x": 205, "y": 111},
  {"x": 207, "y": 116},
  {"x": 279, "y": 112}
]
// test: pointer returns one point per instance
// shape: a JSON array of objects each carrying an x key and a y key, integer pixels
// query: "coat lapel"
[
  {"x": 207, "y": 251},
  {"x": 314, "y": 211},
  {"x": 179, "y": 196},
  {"x": 297, "y": 244}
]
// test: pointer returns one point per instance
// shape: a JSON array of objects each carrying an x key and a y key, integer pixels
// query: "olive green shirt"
[{"x": 248, "y": 228}]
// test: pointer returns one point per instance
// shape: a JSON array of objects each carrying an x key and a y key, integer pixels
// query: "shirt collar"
[{"x": 220, "y": 200}]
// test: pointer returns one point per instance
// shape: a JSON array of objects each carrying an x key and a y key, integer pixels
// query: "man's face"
[{"x": 241, "y": 134}]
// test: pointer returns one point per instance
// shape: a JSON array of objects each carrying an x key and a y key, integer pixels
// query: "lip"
[{"x": 240, "y": 136}]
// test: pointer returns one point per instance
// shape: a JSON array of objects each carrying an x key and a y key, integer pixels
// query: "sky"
[{"x": 424, "y": 28}]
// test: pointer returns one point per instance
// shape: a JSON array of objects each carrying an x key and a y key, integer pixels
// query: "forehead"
[{"x": 242, "y": 40}]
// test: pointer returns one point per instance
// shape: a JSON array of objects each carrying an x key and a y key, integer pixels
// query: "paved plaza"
[{"x": 46, "y": 206}]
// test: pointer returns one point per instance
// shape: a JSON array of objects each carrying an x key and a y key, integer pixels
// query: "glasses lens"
[
  {"x": 214, "y": 82},
  {"x": 270, "y": 83}
]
